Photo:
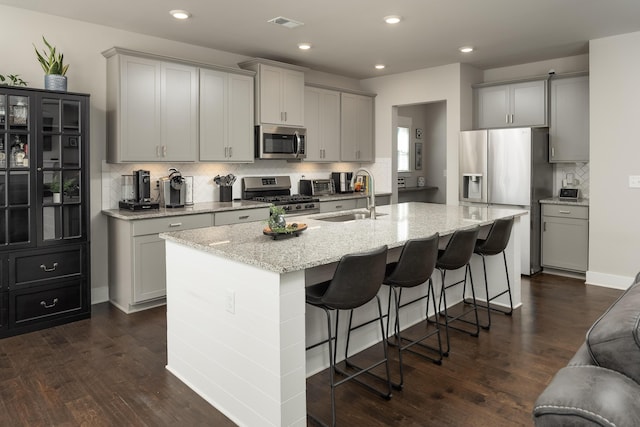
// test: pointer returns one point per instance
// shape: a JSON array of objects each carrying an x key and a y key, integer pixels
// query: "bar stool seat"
[
  {"x": 456, "y": 255},
  {"x": 414, "y": 267},
  {"x": 356, "y": 281},
  {"x": 495, "y": 243}
]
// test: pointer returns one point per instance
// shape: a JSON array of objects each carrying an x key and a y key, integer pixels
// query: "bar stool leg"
[{"x": 506, "y": 291}]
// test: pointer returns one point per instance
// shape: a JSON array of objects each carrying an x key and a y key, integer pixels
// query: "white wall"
[
  {"x": 418, "y": 87},
  {"x": 614, "y": 230},
  {"x": 82, "y": 44}
]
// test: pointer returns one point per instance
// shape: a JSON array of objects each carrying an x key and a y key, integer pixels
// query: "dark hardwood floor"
[{"x": 110, "y": 370}]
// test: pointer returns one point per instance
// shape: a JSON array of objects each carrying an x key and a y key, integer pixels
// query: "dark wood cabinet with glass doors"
[{"x": 44, "y": 209}]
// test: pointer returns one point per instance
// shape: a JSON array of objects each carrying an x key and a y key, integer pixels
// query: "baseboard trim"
[
  {"x": 99, "y": 295},
  {"x": 609, "y": 280}
]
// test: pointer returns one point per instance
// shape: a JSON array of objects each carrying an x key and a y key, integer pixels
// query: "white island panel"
[{"x": 250, "y": 364}]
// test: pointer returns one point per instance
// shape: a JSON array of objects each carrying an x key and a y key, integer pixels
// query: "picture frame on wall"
[{"x": 418, "y": 156}]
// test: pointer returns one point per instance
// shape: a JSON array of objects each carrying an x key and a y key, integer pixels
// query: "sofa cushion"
[
  {"x": 588, "y": 396},
  {"x": 614, "y": 339}
]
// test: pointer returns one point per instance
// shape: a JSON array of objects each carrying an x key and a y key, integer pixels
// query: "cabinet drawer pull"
[
  {"x": 175, "y": 224},
  {"x": 243, "y": 217},
  {"x": 564, "y": 212},
  {"x": 53, "y": 268},
  {"x": 338, "y": 206},
  {"x": 53, "y": 304}
]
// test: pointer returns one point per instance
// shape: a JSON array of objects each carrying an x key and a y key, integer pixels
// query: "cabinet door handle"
[
  {"x": 285, "y": 116},
  {"x": 506, "y": 118},
  {"x": 53, "y": 303},
  {"x": 157, "y": 151},
  {"x": 243, "y": 217},
  {"x": 553, "y": 152},
  {"x": 230, "y": 152},
  {"x": 175, "y": 224},
  {"x": 48, "y": 270},
  {"x": 164, "y": 151},
  {"x": 564, "y": 212},
  {"x": 544, "y": 226}
]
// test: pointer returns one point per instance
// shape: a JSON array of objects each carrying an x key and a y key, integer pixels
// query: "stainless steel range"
[{"x": 277, "y": 190}]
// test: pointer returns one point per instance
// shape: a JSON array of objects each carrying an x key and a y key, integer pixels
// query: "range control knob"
[{"x": 298, "y": 207}]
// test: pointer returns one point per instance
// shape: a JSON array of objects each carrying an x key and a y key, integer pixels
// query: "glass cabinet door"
[
  {"x": 60, "y": 151},
  {"x": 15, "y": 172}
]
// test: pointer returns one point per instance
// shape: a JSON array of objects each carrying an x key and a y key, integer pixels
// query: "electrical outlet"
[
  {"x": 634, "y": 181},
  {"x": 230, "y": 301}
]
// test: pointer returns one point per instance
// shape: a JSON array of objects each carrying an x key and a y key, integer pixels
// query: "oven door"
[{"x": 277, "y": 142}]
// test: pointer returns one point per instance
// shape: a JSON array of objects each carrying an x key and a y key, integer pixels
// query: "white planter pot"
[{"x": 56, "y": 198}]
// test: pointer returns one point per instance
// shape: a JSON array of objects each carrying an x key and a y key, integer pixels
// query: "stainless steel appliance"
[
  {"x": 277, "y": 190},
  {"x": 569, "y": 194},
  {"x": 316, "y": 187},
  {"x": 280, "y": 142},
  {"x": 509, "y": 167},
  {"x": 173, "y": 190},
  {"x": 342, "y": 181},
  {"x": 141, "y": 193}
]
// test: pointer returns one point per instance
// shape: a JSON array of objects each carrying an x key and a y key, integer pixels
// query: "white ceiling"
[{"x": 349, "y": 36}]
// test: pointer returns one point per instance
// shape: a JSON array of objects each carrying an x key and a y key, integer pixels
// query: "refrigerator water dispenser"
[{"x": 472, "y": 186}]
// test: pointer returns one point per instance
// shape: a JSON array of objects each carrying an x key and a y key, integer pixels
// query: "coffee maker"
[
  {"x": 136, "y": 191},
  {"x": 173, "y": 190},
  {"x": 342, "y": 181}
]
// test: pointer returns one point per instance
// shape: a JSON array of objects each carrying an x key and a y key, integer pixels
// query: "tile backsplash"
[
  {"x": 565, "y": 173},
  {"x": 204, "y": 189}
]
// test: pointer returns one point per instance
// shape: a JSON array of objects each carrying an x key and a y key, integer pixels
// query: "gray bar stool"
[
  {"x": 457, "y": 254},
  {"x": 356, "y": 281},
  {"x": 414, "y": 267},
  {"x": 495, "y": 243}
]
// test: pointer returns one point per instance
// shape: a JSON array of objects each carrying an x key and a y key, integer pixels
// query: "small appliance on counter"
[
  {"x": 136, "y": 192},
  {"x": 569, "y": 194},
  {"x": 342, "y": 181},
  {"x": 317, "y": 187},
  {"x": 173, "y": 191}
]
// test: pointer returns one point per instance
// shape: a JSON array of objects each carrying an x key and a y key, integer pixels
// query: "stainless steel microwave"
[{"x": 279, "y": 142}]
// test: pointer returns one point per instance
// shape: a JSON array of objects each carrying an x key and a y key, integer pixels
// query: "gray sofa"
[{"x": 600, "y": 386}]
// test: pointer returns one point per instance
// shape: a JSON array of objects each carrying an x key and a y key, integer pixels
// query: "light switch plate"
[{"x": 634, "y": 181}]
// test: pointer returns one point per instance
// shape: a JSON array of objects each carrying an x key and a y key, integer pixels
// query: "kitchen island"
[{"x": 237, "y": 325}]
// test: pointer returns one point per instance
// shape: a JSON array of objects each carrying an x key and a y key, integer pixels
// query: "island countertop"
[{"x": 325, "y": 242}]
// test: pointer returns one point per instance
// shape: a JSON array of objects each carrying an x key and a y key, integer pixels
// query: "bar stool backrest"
[
  {"x": 357, "y": 279},
  {"x": 459, "y": 249},
  {"x": 497, "y": 239},
  {"x": 416, "y": 263}
]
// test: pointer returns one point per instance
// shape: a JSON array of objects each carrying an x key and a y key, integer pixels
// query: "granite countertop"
[
  {"x": 557, "y": 201},
  {"x": 197, "y": 208},
  {"x": 347, "y": 196},
  {"x": 325, "y": 242}
]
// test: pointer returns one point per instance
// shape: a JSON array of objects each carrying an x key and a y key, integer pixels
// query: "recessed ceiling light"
[
  {"x": 392, "y": 19},
  {"x": 380, "y": 67},
  {"x": 466, "y": 49},
  {"x": 304, "y": 46},
  {"x": 180, "y": 14}
]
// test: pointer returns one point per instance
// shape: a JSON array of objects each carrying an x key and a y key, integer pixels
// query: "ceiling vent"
[{"x": 286, "y": 22}]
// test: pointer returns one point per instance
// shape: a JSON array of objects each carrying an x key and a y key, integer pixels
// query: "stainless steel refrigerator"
[{"x": 509, "y": 167}]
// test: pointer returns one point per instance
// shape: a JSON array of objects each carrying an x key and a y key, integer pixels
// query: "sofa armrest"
[{"x": 588, "y": 396}]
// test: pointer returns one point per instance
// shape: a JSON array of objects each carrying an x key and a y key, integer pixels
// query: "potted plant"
[
  {"x": 11, "y": 80},
  {"x": 54, "y": 187},
  {"x": 53, "y": 66}
]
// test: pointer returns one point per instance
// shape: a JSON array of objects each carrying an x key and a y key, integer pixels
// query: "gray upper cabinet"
[
  {"x": 569, "y": 122},
  {"x": 152, "y": 108},
  {"x": 279, "y": 92},
  {"x": 226, "y": 116},
  {"x": 511, "y": 105},
  {"x": 356, "y": 136},
  {"x": 322, "y": 120}
]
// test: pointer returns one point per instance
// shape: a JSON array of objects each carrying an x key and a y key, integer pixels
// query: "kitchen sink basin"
[{"x": 350, "y": 217}]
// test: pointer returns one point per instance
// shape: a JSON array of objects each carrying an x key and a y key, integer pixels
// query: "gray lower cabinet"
[
  {"x": 339, "y": 205},
  {"x": 565, "y": 237},
  {"x": 137, "y": 273}
]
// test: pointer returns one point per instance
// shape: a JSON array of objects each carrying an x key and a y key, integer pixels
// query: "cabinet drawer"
[
  {"x": 45, "y": 266},
  {"x": 566, "y": 211},
  {"x": 339, "y": 205},
  {"x": 4, "y": 312},
  {"x": 46, "y": 302},
  {"x": 173, "y": 223},
  {"x": 236, "y": 217}
]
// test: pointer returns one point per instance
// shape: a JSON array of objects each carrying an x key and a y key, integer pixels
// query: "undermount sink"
[{"x": 350, "y": 217}]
